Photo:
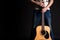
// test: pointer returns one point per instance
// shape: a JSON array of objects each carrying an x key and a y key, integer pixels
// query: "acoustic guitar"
[{"x": 42, "y": 31}]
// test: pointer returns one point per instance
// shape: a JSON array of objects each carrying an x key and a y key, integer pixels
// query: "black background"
[
  {"x": 24, "y": 16},
  {"x": 19, "y": 26}
]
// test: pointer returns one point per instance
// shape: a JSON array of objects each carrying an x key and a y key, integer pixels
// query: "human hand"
[
  {"x": 41, "y": 4},
  {"x": 44, "y": 10}
]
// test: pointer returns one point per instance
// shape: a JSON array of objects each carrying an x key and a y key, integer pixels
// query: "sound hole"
[{"x": 45, "y": 33}]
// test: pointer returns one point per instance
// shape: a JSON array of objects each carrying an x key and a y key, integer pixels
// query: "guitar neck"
[{"x": 42, "y": 21}]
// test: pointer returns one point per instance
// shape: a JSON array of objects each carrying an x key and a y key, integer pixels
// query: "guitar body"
[{"x": 39, "y": 35}]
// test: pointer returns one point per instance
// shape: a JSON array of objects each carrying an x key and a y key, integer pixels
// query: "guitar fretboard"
[{"x": 42, "y": 21}]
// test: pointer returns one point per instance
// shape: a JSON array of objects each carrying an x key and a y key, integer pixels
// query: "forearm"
[
  {"x": 50, "y": 3},
  {"x": 38, "y": 3}
]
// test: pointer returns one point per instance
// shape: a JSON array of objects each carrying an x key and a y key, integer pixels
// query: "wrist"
[{"x": 46, "y": 7}]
